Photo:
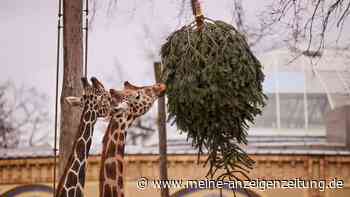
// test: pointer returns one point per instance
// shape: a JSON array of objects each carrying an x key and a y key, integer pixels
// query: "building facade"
[{"x": 33, "y": 176}]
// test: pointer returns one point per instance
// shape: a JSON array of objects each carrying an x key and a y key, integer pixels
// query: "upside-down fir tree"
[{"x": 214, "y": 88}]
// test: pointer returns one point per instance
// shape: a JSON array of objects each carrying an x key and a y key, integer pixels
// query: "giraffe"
[
  {"x": 138, "y": 101},
  {"x": 96, "y": 103}
]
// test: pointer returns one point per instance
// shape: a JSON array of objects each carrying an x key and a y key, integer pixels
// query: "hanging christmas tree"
[{"x": 214, "y": 87}]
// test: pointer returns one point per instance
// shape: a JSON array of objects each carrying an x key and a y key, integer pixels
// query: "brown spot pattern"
[
  {"x": 93, "y": 116},
  {"x": 121, "y": 136},
  {"x": 87, "y": 116},
  {"x": 116, "y": 136},
  {"x": 80, "y": 150},
  {"x": 123, "y": 126},
  {"x": 88, "y": 145},
  {"x": 111, "y": 150},
  {"x": 71, "y": 192},
  {"x": 115, "y": 192},
  {"x": 111, "y": 170},
  {"x": 120, "y": 182},
  {"x": 107, "y": 190},
  {"x": 115, "y": 125},
  {"x": 75, "y": 166},
  {"x": 120, "y": 150},
  {"x": 78, "y": 193},
  {"x": 120, "y": 166},
  {"x": 71, "y": 180},
  {"x": 82, "y": 175},
  {"x": 86, "y": 133}
]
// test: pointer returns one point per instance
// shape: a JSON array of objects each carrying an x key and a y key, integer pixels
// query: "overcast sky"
[
  {"x": 28, "y": 38},
  {"x": 28, "y": 31}
]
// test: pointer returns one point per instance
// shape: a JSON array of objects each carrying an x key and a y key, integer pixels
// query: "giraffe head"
[
  {"x": 94, "y": 99},
  {"x": 137, "y": 100}
]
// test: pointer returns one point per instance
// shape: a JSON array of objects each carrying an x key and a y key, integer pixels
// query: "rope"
[
  {"x": 198, "y": 14},
  {"x": 59, "y": 27},
  {"x": 86, "y": 29}
]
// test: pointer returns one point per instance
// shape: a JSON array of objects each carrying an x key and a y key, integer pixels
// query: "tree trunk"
[
  {"x": 72, "y": 72},
  {"x": 163, "y": 174}
]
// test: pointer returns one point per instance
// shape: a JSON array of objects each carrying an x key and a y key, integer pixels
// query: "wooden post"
[
  {"x": 72, "y": 73},
  {"x": 163, "y": 174}
]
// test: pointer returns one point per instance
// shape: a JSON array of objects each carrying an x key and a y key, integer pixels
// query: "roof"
[
  {"x": 290, "y": 72},
  {"x": 282, "y": 145},
  {"x": 289, "y": 60}
]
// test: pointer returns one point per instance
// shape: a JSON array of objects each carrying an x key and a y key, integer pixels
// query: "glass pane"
[
  {"x": 317, "y": 101},
  {"x": 290, "y": 82},
  {"x": 317, "y": 108},
  {"x": 291, "y": 86},
  {"x": 268, "y": 119},
  {"x": 292, "y": 110}
]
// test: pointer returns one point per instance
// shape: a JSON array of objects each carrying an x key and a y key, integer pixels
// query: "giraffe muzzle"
[{"x": 160, "y": 89}]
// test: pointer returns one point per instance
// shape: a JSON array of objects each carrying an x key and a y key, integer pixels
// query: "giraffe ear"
[
  {"x": 96, "y": 83},
  {"x": 72, "y": 100},
  {"x": 129, "y": 86}
]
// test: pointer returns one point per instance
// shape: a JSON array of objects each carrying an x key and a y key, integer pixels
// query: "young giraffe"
[
  {"x": 138, "y": 101},
  {"x": 96, "y": 103}
]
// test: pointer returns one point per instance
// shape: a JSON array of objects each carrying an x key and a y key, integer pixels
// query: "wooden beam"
[{"x": 163, "y": 173}]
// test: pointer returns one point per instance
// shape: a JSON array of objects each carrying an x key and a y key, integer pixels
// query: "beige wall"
[{"x": 40, "y": 170}]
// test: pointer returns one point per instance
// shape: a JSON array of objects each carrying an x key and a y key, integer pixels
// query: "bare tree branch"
[
  {"x": 24, "y": 118},
  {"x": 315, "y": 17},
  {"x": 141, "y": 130},
  {"x": 238, "y": 15}
]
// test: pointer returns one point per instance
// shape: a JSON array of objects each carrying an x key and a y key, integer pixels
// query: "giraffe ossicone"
[{"x": 136, "y": 101}]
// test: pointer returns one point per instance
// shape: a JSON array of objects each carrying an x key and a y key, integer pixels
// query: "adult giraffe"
[
  {"x": 138, "y": 101},
  {"x": 96, "y": 103}
]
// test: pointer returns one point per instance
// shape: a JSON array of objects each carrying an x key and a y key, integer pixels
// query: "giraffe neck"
[
  {"x": 112, "y": 165},
  {"x": 73, "y": 179}
]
